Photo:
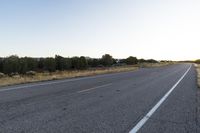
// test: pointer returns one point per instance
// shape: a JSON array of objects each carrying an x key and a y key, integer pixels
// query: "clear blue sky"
[{"x": 147, "y": 29}]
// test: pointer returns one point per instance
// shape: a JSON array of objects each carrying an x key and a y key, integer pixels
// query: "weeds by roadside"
[{"x": 19, "y": 79}]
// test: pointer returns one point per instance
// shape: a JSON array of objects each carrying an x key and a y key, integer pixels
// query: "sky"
[{"x": 158, "y": 29}]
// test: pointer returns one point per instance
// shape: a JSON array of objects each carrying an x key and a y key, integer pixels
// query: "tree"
[
  {"x": 83, "y": 64},
  {"x": 50, "y": 64},
  {"x": 41, "y": 63},
  {"x": 23, "y": 66},
  {"x": 60, "y": 62},
  {"x": 14, "y": 64},
  {"x": 1, "y": 64},
  {"x": 75, "y": 62},
  {"x": 94, "y": 62},
  {"x": 31, "y": 63},
  {"x": 197, "y": 61},
  {"x": 11, "y": 65},
  {"x": 131, "y": 60},
  {"x": 107, "y": 60},
  {"x": 28, "y": 64},
  {"x": 68, "y": 63},
  {"x": 79, "y": 63},
  {"x": 151, "y": 61},
  {"x": 141, "y": 60}
]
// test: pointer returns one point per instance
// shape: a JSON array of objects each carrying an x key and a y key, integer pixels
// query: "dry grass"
[
  {"x": 149, "y": 65},
  {"x": 198, "y": 73},
  {"x": 20, "y": 79}
]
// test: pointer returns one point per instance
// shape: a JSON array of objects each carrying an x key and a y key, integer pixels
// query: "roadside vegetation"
[
  {"x": 197, "y": 65},
  {"x": 16, "y": 70}
]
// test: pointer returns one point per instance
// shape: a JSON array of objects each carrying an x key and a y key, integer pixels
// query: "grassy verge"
[
  {"x": 150, "y": 65},
  {"x": 20, "y": 79},
  {"x": 198, "y": 74}
]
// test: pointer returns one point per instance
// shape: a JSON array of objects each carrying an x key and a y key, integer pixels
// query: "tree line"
[
  {"x": 197, "y": 61},
  {"x": 22, "y": 65}
]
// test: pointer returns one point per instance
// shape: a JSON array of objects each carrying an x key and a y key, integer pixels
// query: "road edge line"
[{"x": 139, "y": 125}]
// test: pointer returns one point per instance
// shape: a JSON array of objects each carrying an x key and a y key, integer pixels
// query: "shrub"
[
  {"x": 68, "y": 63},
  {"x": 107, "y": 60},
  {"x": 197, "y": 61},
  {"x": 75, "y": 62},
  {"x": 83, "y": 64},
  {"x": 131, "y": 60},
  {"x": 93, "y": 62},
  {"x": 152, "y": 61},
  {"x": 60, "y": 62},
  {"x": 11, "y": 64},
  {"x": 1, "y": 64},
  {"x": 50, "y": 64},
  {"x": 41, "y": 63}
]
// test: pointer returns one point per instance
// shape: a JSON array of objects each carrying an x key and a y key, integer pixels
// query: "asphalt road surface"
[{"x": 149, "y": 100}]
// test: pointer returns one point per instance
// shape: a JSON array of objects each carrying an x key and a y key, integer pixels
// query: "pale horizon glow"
[{"x": 162, "y": 30}]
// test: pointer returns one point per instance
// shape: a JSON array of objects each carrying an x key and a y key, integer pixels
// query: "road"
[{"x": 109, "y": 103}]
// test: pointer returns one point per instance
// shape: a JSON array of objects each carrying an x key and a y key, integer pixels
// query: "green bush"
[
  {"x": 94, "y": 62},
  {"x": 197, "y": 61},
  {"x": 61, "y": 63},
  {"x": 131, "y": 60},
  {"x": 107, "y": 60},
  {"x": 50, "y": 64},
  {"x": 83, "y": 64},
  {"x": 1, "y": 64},
  {"x": 11, "y": 64}
]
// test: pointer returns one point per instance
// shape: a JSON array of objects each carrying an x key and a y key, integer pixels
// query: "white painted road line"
[
  {"x": 97, "y": 87},
  {"x": 152, "y": 111}
]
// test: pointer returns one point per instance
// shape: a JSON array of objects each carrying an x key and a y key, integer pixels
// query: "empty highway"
[{"x": 149, "y": 100}]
